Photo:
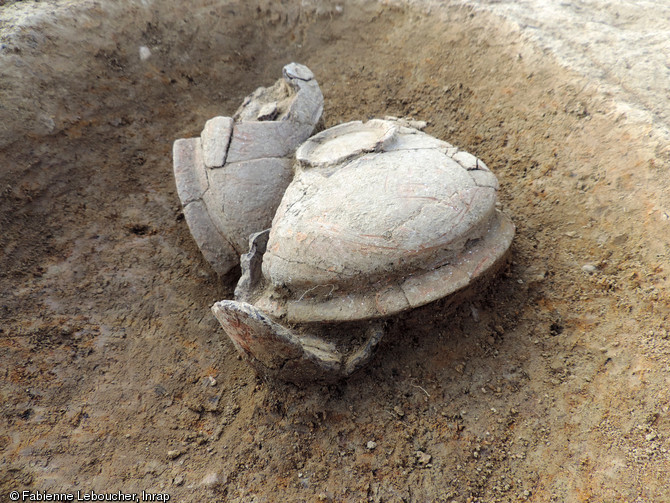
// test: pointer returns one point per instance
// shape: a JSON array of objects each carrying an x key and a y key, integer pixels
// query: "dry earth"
[{"x": 549, "y": 385}]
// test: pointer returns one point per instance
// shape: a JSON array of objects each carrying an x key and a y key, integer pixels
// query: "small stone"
[
  {"x": 371, "y": 444},
  {"x": 589, "y": 268},
  {"x": 145, "y": 53},
  {"x": 423, "y": 458},
  {"x": 538, "y": 278},
  {"x": 651, "y": 436},
  {"x": 212, "y": 381},
  {"x": 174, "y": 454},
  {"x": 178, "y": 480},
  {"x": 211, "y": 480},
  {"x": 399, "y": 411},
  {"x": 557, "y": 364}
]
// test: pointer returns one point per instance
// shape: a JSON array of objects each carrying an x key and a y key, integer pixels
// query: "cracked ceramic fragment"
[
  {"x": 231, "y": 179},
  {"x": 408, "y": 122},
  {"x": 215, "y": 138},
  {"x": 379, "y": 218}
]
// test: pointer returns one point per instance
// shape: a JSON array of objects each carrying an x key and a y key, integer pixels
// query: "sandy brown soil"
[{"x": 549, "y": 385}]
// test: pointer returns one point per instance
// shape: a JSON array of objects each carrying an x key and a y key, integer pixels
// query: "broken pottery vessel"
[
  {"x": 231, "y": 179},
  {"x": 378, "y": 219}
]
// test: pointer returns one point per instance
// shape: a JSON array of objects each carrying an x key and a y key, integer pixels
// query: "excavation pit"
[{"x": 551, "y": 375}]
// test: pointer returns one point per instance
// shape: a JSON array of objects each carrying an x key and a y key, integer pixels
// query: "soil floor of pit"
[{"x": 551, "y": 384}]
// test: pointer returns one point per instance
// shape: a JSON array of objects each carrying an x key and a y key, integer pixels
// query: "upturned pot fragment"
[
  {"x": 378, "y": 219},
  {"x": 231, "y": 179}
]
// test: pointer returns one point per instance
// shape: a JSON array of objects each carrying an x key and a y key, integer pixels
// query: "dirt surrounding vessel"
[{"x": 549, "y": 384}]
